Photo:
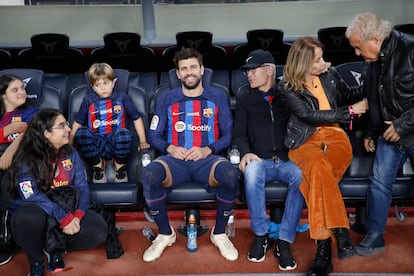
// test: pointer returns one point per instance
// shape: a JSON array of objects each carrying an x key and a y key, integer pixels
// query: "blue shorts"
[{"x": 180, "y": 171}]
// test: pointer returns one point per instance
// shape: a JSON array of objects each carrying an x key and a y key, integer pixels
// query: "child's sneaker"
[
  {"x": 121, "y": 174},
  {"x": 98, "y": 173},
  {"x": 55, "y": 263}
]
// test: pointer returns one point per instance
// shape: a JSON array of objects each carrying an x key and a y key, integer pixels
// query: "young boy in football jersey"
[{"x": 99, "y": 129}]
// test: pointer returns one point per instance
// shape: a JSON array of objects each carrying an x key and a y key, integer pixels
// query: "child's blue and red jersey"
[
  {"x": 191, "y": 121},
  {"x": 104, "y": 116},
  {"x": 17, "y": 115}
]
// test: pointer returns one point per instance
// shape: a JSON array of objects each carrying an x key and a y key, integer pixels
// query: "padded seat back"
[
  {"x": 405, "y": 28},
  {"x": 50, "y": 52},
  {"x": 5, "y": 59},
  {"x": 266, "y": 39},
  {"x": 65, "y": 83},
  {"x": 124, "y": 50},
  {"x": 337, "y": 47},
  {"x": 214, "y": 56},
  {"x": 352, "y": 72}
]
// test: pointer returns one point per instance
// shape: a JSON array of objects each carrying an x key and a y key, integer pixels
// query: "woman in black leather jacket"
[{"x": 318, "y": 145}]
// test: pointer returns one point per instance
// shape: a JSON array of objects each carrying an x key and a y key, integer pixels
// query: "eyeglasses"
[
  {"x": 61, "y": 125},
  {"x": 102, "y": 84},
  {"x": 252, "y": 70}
]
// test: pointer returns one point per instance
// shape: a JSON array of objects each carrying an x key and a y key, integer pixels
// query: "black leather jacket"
[
  {"x": 305, "y": 114},
  {"x": 395, "y": 87}
]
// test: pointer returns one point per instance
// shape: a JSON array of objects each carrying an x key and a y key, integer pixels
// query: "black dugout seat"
[
  {"x": 266, "y": 39},
  {"x": 337, "y": 48},
  {"x": 405, "y": 28},
  {"x": 5, "y": 59},
  {"x": 123, "y": 50},
  {"x": 50, "y": 52},
  {"x": 352, "y": 72}
]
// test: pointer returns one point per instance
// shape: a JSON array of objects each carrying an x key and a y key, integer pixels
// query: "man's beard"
[{"x": 196, "y": 83}]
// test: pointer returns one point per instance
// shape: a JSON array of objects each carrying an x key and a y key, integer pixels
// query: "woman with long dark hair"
[{"x": 51, "y": 195}]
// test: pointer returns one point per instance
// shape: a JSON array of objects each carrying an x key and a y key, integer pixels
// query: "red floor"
[{"x": 397, "y": 258}]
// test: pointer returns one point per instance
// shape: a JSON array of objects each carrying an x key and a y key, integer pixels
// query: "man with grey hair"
[
  {"x": 389, "y": 85},
  {"x": 259, "y": 130}
]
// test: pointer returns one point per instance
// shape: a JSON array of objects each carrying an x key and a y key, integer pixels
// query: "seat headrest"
[
  {"x": 333, "y": 37},
  {"x": 175, "y": 82},
  {"x": 199, "y": 40},
  {"x": 266, "y": 39},
  {"x": 122, "y": 42},
  {"x": 33, "y": 81},
  {"x": 405, "y": 28},
  {"x": 50, "y": 43}
]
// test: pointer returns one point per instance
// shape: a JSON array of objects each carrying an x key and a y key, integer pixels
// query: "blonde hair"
[
  {"x": 368, "y": 25},
  {"x": 299, "y": 62},
  {"x": 100, "y": 71}
]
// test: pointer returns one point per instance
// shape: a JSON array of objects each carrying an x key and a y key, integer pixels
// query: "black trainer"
[
  {"x": 37, "y": 269},
  {"x": 284, "y": 256},
  {"x": 371, "y": 244},
  {"x": 55, "y": 263},
  {"x": 121, "y": 174},
  {"x": 258, "y": 249},
  {"x": 98, "y": 174}
]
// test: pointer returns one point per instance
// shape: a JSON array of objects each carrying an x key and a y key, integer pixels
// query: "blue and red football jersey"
[{"x": 191, "y": 122}]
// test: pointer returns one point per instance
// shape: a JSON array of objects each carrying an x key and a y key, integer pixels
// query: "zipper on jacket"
[{"x": 272, "y": 130}]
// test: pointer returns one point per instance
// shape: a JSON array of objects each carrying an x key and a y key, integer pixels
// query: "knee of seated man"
[
  {"x": 253, "y": 166},
  {"x": 227, "y": 174},
  {"x": 152, "y": 174}
]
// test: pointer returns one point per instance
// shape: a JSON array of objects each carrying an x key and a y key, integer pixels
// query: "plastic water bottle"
[
  {"x": 192, "y": 234},
  {"x": 234, "y": 155},
  {"x": 145, "y": 158},
  {"x": 147, "y": 232},
  {"x": 230, "y": 228}
]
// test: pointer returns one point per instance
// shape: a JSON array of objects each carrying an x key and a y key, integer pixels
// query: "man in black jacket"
[
  {"x": 259, "y": 132},
  {"x": 389, "y": 87}
]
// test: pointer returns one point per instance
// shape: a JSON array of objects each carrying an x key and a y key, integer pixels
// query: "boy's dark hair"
[{"x": 186, "y": 53}]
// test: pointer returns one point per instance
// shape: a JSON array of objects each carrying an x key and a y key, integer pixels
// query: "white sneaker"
[
  {"x": 226, "y": 247},
  {"x": 158, "y": 245}
]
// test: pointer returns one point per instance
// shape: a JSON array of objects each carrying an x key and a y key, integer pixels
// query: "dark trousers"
[
  {"x": 4, "y": 194},
  {"x": 29, "y": 226}
]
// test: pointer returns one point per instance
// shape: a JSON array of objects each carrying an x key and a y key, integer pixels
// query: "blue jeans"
[
  {"x": 256, "y": 175},
  {"x": 388, "y": 160}
]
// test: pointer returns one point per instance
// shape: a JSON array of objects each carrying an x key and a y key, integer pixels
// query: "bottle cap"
[{"x": 191, "y": 219}]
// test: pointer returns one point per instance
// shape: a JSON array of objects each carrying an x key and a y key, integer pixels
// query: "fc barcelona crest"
[
  {"x": 117, "y": 109},
  {"x": 208, "y": 112},
  {"x": 67, "y": 164},
  {"x": 16, "y": 119}
]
